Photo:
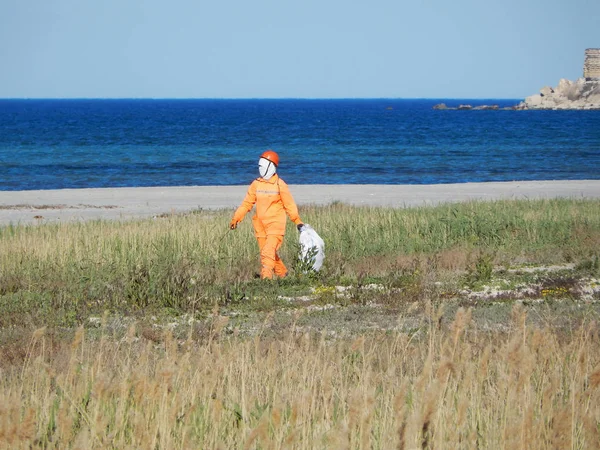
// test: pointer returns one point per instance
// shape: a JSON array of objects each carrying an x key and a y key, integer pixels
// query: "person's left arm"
[{"x": 289, "y": 204}]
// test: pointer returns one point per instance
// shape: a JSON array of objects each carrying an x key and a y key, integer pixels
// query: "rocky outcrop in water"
[
  {"x": 580, "y": 94},
  {"x": 443, "y": 106}
]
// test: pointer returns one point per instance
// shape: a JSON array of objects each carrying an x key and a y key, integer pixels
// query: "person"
[{"x": 273, "y": 201}]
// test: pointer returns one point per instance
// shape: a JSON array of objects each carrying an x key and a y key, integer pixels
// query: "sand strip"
[{"x": 65, "y": 205}]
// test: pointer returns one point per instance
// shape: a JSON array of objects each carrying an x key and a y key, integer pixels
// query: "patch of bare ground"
[{"x": 555, "y": 295}]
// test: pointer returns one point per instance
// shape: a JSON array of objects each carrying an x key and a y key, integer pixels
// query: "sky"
[{"x": 292, "y": 49}]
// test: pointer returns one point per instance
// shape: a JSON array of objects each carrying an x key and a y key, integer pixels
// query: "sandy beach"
[{"x": 67, "y": 205}]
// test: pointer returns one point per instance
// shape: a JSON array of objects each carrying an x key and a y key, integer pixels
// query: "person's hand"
[
  {"x": 299, "y": 226},
  {"x": 233, "y": 224}
]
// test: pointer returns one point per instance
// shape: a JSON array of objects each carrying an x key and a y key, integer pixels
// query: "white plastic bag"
[{"x": 312, "y": 248}]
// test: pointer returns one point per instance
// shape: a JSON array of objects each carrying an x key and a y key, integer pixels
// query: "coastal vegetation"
[{"x": 458, "y": 326}]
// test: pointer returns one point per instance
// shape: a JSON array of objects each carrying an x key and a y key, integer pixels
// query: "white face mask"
[{"x": 266, "y": 168}]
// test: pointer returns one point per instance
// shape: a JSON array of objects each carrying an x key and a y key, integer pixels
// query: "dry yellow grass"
[{"x": 443, "y": 387}]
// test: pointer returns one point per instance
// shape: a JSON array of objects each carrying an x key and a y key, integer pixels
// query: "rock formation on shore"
[
  {"x": 583, "y": 93},
  {"x": 580, "y": 94}
]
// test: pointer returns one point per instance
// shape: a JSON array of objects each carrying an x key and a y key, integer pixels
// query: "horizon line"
[{"x": 262, "y": 98}]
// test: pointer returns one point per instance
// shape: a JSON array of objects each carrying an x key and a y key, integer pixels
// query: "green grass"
[{"x": 59, "y": 274}]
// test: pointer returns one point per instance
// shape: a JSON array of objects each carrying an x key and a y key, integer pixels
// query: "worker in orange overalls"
[{"x": 273, "y": 200}]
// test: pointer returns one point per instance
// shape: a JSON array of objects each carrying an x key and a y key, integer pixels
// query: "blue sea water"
[{"x": 54, "y": 144}]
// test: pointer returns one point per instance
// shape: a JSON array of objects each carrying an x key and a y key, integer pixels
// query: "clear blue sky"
[{"x": 283, "y": 48}]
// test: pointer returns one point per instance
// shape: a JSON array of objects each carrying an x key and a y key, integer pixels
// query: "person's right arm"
[{"x": 245, "y": 207}]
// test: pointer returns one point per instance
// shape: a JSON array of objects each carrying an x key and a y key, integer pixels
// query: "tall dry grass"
[{"x": 451, "y": 386}]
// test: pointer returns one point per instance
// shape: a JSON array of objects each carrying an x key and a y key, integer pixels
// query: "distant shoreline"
[{"x": 68, "y": 205}]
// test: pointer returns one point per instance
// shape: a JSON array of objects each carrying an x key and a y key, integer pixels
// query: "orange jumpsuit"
[{"x": 273, "y": 200}]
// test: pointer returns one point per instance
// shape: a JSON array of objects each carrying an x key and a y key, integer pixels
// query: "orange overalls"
[{"x": 273, "y": 200}]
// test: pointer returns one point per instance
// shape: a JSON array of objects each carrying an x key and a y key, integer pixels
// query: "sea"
[{"x": 95, "y": 143}]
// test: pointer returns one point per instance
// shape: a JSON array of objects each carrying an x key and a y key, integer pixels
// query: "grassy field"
[{"x": 458, "y": 326}]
